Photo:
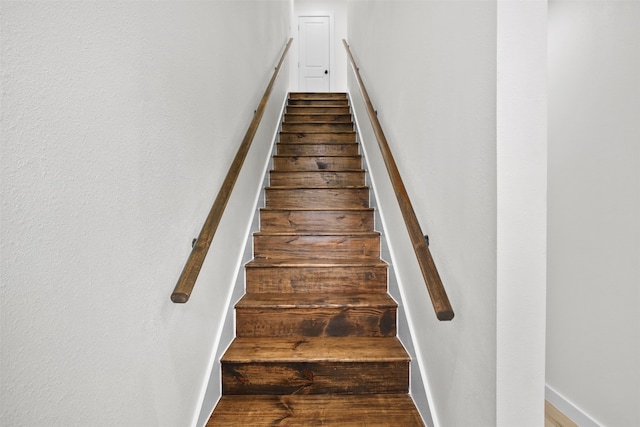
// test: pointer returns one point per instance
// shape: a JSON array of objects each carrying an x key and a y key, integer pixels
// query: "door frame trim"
[{"x": 296, "y": 62}]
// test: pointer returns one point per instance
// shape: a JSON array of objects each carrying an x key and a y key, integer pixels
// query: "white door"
[{"x": 314, "y": 48}]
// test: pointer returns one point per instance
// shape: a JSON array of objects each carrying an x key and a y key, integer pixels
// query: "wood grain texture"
[
  {"x": 311, "y": 149},
  {"x": 554, "y": 418},
  {"x": 316, "y": 330},
  {"x": 317, "y": 117},
  {"x": 365, "y": 245},
  {"x": 322, "y": 349},
  {"x": 437, "y": 292},
  {"x": 315, "y": 109},
  {"x": 388, "y": 410},
  {"x": 316, "y": 137},
  {"x": 316, "y": 315},
  {"x": 316, "y": 163},
  {"x": 318, "y": 95},
  {"x": 303, "y": 377},
  {"x": 311, "y": 220},
  {"x": 324, "y": 178},
  {"x": 296, "y": 276},
  {"x": 317, "y": 198},
  {"x": 317, "y": 127},
  {"x": 320, "y": 102}
]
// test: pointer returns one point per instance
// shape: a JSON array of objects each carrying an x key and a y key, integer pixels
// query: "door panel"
[{"x": 314, "y": 49}]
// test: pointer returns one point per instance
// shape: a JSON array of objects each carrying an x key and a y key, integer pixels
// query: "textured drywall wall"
[
  {"x": 593, "y": 307},
  {"x": 119, "y": 121},
  {"x": 430, "y": 68},
  {"x": 258, "y": 161},
  {"x": 339, "y": 66}
]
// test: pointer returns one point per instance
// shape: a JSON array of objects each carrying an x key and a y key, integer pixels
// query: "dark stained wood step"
[
  {"x": 316, "y": 276},
  {"x": 379, "y": 410},
  {"x": 316, "y": 246},
  {"x": 319, "y": 102},
  {"x": 331, "y": 149},
  {"x": 317, "y": 117},
  {"x": 317, "y": 198},
  {"x": 316, "y": 315},
  {"x": 323, "y": 109},
  {"x": 308, "y": 163},
  {"x": 317, "y": 95},
  {"x": 278, "y": 178},
  {"x": 317, "y": 127},
  {"x": 315, "y": 137},
  {"x": 315, "y": 365},
  {"x": 310, "y": 220},
  {"x": 316, "y": 331},
  {"x": 321, "y": 349}
]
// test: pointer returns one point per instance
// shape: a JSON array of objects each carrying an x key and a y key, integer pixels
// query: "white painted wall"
[
  {"x": 430, "y": 68},
  {"x": 338, "y": 8},
  {"x": 521, "y": 216},
  {"x": 593, "y": 317},
  {"x": 119, "y": 121}
]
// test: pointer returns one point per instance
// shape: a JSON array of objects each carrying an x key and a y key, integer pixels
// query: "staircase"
[{"x": 316, "y": 330}]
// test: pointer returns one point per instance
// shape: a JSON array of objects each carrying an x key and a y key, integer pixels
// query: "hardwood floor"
[{"x": 554, "y": 418}]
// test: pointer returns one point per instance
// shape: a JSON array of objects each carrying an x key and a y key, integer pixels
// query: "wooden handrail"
[
  {"x": 187, "y": 280},
  {"x": 438, "y": 295}
]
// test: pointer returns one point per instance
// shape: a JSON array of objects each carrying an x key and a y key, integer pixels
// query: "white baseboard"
[{"x": 569, "y": 409}]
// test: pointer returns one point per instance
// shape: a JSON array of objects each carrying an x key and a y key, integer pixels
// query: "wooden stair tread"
[
  {"x": 317, "y": 233},
  {"x": 319, "y": 101},
  {"x": 334, "y": 187},
  {"x": 303, "y": 209},
  {"x": 317, "y": 95},
  {"x": 315, "y": 349},
  {"x": 386, "y": 410},
  {"x": 314, "y": 156},
  {"x": 320, "y": 132},
  {"x": 317, "y": 137},
  {"x": 314, "y": 263},
  {"x": 312, "y": 220},
  {"x": 313, "y": 116},
  {"x": 327, "y": 141},
  {"x": 317, "y": 118},
  {"x": 317, "y": 300},
  {"x": 318, "y": 171}
]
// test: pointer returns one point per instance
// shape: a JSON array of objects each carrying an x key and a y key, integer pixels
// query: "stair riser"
[
  {"x": 319, "y": 102},
  {"x": 318, "y": 95},
  {"x": 314, "y": 221},
  {"x": 304, "y": 247},
  {"x": 317, "y": 198},
  {"x": 294, "y": 163},
  {"x": 319, "y": 137},
  {"x": 316, "y": 179},
  {"x": 316, "y": 322},
  {"x": 322, "y": 118},
  {"x": 315, "y": 378},
  {"x": 308, "y": 109},
  {"x": 316, "y": 280},
  {"x": 317, "y": 149},
  {"x": 317, "y": 127}
]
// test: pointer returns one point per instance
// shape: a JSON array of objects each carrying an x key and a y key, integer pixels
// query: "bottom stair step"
[{"x": 327, "y": 410}]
